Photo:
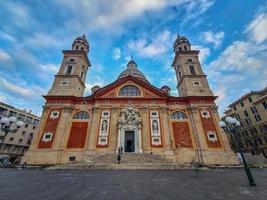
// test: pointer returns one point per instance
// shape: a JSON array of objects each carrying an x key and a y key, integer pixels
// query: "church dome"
[{"x": 133, "y": 71}]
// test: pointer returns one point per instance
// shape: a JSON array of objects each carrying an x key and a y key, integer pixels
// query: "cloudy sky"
[{"x": 231, "y": 35}]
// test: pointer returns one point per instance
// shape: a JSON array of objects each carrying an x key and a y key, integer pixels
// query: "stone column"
[
  {"x": 140, "y": 140},
  {"x": 119, "y": 139}
]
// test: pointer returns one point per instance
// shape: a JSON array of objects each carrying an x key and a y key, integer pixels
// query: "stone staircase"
[{"x": 128, "y": 161}]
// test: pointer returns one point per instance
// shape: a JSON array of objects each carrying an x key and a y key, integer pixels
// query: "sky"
[{"x": 231, "y": 36}]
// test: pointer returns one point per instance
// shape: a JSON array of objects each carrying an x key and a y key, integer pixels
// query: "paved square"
[{"x": 131, "y": 184}]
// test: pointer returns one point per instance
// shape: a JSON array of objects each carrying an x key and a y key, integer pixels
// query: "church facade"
[{"x": 131, "y": 114}]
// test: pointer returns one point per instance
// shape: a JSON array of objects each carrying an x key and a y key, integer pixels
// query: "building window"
[
  {"x": 178, "y": 115},
  {"x": 81, "y": 115},
  {"x": 54, "y": 114},
  {"x": 234, "y": 108},
  {"x": 69, "y": 70},
  {"x": 246, "y": 113},
  {"x": 196, "y": 83},
  {"x": 47, "y": 137},
  {"x": 263, "y": 128},
  {"x": 192, "y": 70},
  {"x": 21, "y": 117},
  {"x": 72, "y": 59},
  {"x": 258, "y": 118},
  {"x": 254, "y": 109},
  {"x": 23, "y": 132},
  {"x": 11, "y": 139},
  {"x": 180, "y": 77},
  {"x": 72, "y": 158},
  {"x": 189, "y": 60},
  {"x": 250, "y": 99},
  {"x": 20, "y": 140},
  {"x": 82, "y": 75},
  {"x": 64, "y": 83},
  {"x": 26, "y": 125},
  {"x": 35, "y": 121},
  {"x": 264, "y": 104},
  {"x": 242, "y": 104},
  {"x": 33, "y": 127},
  {"x": 130, "y": 91},
  {"x": 248, "y": 121},
  {"x": 3, "y": 111}
]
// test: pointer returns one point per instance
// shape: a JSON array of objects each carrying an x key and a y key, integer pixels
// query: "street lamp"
[
  {"x": 233, "y": 125},
  {"x": 6, "y": 126}
]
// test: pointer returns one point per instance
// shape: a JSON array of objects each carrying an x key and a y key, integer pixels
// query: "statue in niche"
[
  {"x": 104, "y": 127},
  {"x": 155, "y": 127}
]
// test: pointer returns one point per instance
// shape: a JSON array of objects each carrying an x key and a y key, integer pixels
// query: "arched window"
[
  {"x": 130, "y": 91},
  {"x": 81, "y": 115},
  {"x": 178, "y": 115}
]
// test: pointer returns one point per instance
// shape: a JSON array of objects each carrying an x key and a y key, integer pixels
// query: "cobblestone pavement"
[{"x": 131, "y": 184}]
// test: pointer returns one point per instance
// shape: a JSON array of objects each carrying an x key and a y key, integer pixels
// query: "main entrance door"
[{"x": 129, "y": 141}]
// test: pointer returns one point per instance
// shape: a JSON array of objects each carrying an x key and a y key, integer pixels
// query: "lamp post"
[
  {"x": 233, "y": 124},
  {"x": 6, "y": 126}
]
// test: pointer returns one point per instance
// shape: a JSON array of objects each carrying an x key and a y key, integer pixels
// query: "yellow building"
[
  {"x": 130, "y": 113},
  {"x": 251, "y": 111}
]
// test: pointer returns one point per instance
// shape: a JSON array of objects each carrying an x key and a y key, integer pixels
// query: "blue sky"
[{"x": 231, "y": 35}]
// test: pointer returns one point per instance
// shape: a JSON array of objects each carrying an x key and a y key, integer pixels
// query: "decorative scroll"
[
  {"x": 155, "y": 129},
  {"x": 182, "y": 134},
  {"x": 104, "y": 129},
  {"x": 50, "y": 129},
  {"x": 77, "y": 135},
  {"x": 209, "y": 129}
]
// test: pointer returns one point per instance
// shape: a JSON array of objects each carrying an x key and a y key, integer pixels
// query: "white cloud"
[
  {"x": 212, "y": 37},
  {"x": 7, "y": 36},
  {"x": 42, "y": 40},
  {"x": 26, "y": 92},
  {"x": 257, "y": 29},
  {"x": 48, "y": 68},
  {"x": 111, "y": 16},
  {"x": 195, "y": 8},
  {"x": 203, "y": 54},
  {"x": 240, "y": 55},
  {"x": 158, "y": 46},
  {"x": 4, "y": 56},
  {"x": 116, "y": 54}
]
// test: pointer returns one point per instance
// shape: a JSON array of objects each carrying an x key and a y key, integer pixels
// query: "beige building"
[
  {"x": 16, "y": 144},
  {"x": 130, "y": 113},
  {"x": 251, "y": 111}
]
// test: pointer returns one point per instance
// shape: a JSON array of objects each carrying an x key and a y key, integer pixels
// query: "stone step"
[
  {"x": 118, "y": 166},
  {"x": 128, "y": 158}
]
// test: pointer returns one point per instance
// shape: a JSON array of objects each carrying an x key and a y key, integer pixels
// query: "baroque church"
[{"x": 130, "y": 114}]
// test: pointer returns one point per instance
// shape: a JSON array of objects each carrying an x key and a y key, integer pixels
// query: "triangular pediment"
[{"x": 112, "y": 90}]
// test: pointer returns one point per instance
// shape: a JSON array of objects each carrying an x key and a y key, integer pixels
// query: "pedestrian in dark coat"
[{"x": 119, "y": 158}]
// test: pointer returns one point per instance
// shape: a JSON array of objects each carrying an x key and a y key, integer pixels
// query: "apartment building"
[
  {"x": 16, "y": 144},
  {"x": 251, "y": 111}
]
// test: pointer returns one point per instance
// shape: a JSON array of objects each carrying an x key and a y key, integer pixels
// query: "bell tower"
[
  {"x": 70, "y": 79},
  {"x": 190, "y": 77}
]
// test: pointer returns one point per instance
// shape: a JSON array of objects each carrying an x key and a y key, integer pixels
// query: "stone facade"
[{"x": 132, "y": 114}]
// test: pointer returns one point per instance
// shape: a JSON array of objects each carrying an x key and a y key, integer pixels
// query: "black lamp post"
[
  {"x": 6, "y": 126},
  {"x": 233, "y": 124}
]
